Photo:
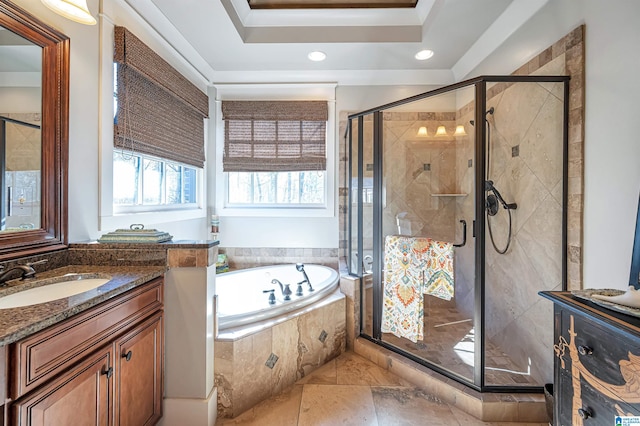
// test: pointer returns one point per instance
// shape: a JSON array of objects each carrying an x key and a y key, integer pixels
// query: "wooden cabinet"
[
  {"x": 78, "y": 397},
  {"x": 597, "y": 362},
  {"x": 138, "y": 393},
  {"x": 101, "y": 367}
]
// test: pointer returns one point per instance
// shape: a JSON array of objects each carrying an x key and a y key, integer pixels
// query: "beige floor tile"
[
  {"x": 325, "y": 375},
  {"x": 465, "y": 419},
  {"x": 280, "y": 410},
  {"x": 352, "y": 369},
  {"x": 401, "y": 406},
  {"x": 330, "y": 405}
]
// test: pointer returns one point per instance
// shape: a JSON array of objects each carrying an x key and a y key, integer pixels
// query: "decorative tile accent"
[
  {"x": 515, "y": 151},
  {"x": 272, "y": 360},
  {"x": 369, "y": 167},
  {"x": 243, "y": 258},
  {"x": 426, "y": 167},
  {"x": 323, "y": 336},
  {"x": 470, "y": 163}
]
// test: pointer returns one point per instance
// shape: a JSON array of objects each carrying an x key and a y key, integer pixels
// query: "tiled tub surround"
[
  {"x": 244, "y": 258},
  {"x": 241, "y": 297},
  {"x": 257, "y": 361}
]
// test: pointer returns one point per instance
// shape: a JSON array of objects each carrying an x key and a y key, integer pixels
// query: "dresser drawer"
[
  {"x": 589, "y": 405},
  {"x": 43, "y": 355},
  {"x": 600, "y": 350}
]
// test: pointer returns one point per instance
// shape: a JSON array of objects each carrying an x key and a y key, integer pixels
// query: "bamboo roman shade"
[
  {"x": 274, "y": 136},
  {"x": 159, "y": 112}
]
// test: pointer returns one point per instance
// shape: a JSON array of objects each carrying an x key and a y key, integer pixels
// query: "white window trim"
[{"x": 278, "y": 92}]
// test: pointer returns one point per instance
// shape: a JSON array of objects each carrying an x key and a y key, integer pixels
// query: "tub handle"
[{"x": 272, "y": 296}]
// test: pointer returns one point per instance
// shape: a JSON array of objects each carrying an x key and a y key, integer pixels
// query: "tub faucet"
[
  {"x": 300, "y": 268},
  {"x": 26, "y": 271},
  {"x": 284, "y": 288}
]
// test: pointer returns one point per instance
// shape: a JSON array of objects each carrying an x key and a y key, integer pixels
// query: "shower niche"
[{"x": 458, "y": 201}]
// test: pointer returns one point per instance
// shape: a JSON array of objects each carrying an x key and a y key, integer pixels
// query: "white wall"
[
  {"x": 612, "y": 151},
  {"x": 84, "y": 113}
]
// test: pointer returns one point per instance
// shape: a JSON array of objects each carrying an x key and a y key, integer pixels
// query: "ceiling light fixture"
[
  {"x": 423, "y": 55},
  {"x": 317, "y": 56},
  {"x": 76, "y": 10}
]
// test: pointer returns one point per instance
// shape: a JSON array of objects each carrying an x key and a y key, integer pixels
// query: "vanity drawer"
[
  {"x": 600, "y": 350},
  {"x": 43, "y": 355}
]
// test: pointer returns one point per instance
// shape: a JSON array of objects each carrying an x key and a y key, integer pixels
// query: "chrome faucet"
[
  {"x": 26, "y": 271},
  {"x": 300, "y": 268},
  {"x": 284, "y": 288}
]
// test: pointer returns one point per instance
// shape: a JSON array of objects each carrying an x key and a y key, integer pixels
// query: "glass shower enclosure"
[{"x": 456, "y": 219}]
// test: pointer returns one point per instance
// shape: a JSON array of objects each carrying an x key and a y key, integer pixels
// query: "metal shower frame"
[{"x": 478, "y": 228}]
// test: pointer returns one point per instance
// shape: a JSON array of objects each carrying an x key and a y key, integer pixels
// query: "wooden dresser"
[{"x": 597, "y": 362}]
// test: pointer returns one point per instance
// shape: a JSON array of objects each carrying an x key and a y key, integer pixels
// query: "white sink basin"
[{"x": 49, "y": 292}]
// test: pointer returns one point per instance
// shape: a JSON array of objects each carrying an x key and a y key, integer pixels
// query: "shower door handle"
[
  {"x": 473, "y": 229},
  {"x": 464, "y": 234}
]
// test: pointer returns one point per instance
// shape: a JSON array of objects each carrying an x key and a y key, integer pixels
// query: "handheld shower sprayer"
[
  {"x": 300, "y": 268},
  {"x": 492, "y": 199}
]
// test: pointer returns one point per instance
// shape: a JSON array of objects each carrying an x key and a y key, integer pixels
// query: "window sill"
[
  {"x": 124, "y": 221},
  {"x": 276, "y": 212}
]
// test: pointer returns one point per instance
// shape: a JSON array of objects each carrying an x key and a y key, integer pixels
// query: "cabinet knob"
[
  {"x": 108, "y": 372},
  {"x": 127, "y": 356},
  {"x": 585, "y": 413},
  {"x": 584, "y": 350}
]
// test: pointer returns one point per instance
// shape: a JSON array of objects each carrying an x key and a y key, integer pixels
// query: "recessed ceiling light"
[
  {"x": 317, "y": 56},
  {"x": 424, "y": 55}
]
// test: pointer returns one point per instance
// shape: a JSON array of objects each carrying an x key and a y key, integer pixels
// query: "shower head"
[{"x": 490, "y": 111}]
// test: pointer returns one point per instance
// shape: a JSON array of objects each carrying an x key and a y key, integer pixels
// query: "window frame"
[
  {"x": 142, "y": 207},
  {"x": 108, "y": 219},
  {"x": 323, "y": 92}
]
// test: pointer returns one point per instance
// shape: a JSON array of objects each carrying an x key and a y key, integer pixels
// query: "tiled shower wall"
[
  {"x": 570, "y": 50},
  {"x": 526, "y": 166}
]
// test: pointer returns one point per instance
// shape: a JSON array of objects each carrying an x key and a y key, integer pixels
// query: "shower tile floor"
[
  {"x": 351, "y": 390},
  {"x": 448, "y": 342}
]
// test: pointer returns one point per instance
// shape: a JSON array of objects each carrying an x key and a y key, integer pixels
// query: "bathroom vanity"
[
  {"x": 597, "y": 362},
  {"x": 96, "y": 355}
]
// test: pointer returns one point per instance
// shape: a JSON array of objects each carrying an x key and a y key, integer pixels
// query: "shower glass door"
[
  {"x": 458, "y": 218},
  {"x": 524, "y": 157},
  {"x": 427, "y": 205}
]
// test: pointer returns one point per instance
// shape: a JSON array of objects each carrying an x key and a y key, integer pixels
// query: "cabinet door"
[
  {"x": 138, "y": 394},
  {"x": 79, "y": 397}
]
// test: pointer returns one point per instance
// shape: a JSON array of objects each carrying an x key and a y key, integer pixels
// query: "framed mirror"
[{"x": 34, "y": 122}]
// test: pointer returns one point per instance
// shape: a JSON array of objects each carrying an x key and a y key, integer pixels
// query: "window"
[
  {"x": 141, "y": 181},
  {"x": 275, "y": 158},
  {"x": 284, "y": 189}
]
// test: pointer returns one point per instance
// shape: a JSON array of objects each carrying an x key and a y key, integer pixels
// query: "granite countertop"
[{"x": 17, "y": 323}]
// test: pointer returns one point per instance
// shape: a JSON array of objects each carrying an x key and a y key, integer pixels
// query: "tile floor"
[{"x": 350, "y": 390}]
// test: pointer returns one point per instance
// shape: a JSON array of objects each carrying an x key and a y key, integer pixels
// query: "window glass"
[
  {"x": 145, "y": 182},
  {"x": 277, "y": 188}
]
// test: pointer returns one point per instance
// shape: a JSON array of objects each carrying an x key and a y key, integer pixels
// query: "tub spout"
[
  {"x": 284, "y": 288},
  {"x": 300, "y": 268}
]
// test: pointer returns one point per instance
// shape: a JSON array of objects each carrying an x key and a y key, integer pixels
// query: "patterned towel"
[
  {"x": 413, "y": 266},
  {"x": 439, "y": 270},
  {"x": 402, "y": 306}
]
